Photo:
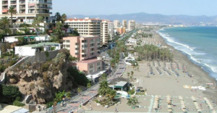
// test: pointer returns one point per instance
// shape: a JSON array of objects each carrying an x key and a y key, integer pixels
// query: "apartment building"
[
  {"x": 82, "y": 47},
  {"x": 131, "y": 25},
  {"x": 124, "y": 23},
  {"x": 104, "y": 32},
  {"x": 111, "y": 30},
  {"x": 26, "y": 10},
  {"x": 85, "y": 26},
  {"x": 86, "y": 49},
  {"x": 116, "y": 24}
]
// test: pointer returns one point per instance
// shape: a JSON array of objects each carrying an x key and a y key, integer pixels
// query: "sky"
[{"x": 108, "y": 7}]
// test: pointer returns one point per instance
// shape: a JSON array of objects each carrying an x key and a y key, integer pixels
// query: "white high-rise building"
[
  {"x": 26, "y": 10},
  {"x": 131, "y": 25},
  {"x": 116, "y": 24},
  {"x": 111, "y": 30},
  {"x": 85, "y": 26},
  {"x": 104, "y": 32}
]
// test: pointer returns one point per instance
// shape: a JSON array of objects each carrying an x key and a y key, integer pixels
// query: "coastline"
[
  {"x": 199, "y": 74},
  {"x": 164, "y": 79},
  {"x": 177, "y": 44}
]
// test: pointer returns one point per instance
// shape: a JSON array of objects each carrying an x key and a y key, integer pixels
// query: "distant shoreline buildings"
[{"x": 103, "y": 28}]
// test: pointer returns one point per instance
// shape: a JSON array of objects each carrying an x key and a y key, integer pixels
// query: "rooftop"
[
  {"x": 84, "y": 19},
  {"x": 121, "y": 83}
]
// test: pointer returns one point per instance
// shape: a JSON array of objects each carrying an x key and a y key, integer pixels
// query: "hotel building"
[
  {"x": 85, "y": 26},
  {"x": 111, "y": 30},
  {"x": 116, "y": 24},
  {"x": 104, "y": 32},
  {"x": 26, "y": 10},
  {"x": 85, "y": 48},
  {"x": 131, "y": 25}
]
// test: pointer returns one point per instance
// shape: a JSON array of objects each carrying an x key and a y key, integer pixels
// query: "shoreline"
[
  {"x": 163, "y": 79},
  {"x": 202, "y": 76},
  {"x": 201, "y": 65}
]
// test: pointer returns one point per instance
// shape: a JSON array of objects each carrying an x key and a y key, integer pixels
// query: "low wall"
[{"x": 42, "y": 56}]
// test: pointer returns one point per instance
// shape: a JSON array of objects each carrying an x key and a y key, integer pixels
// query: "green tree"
[
  {"x": 22, "y": 41},
  {"x": 63, "y": 18},
  {"x": 12, "y": 11},
  {"x": 4, "y": 27},
  {"x": 58, "y": 32},
  {"x": 59, "y": 96},
  {"x": 58, "y": 16},
  {"x": 80, "y": 78},
  {"x": 132, "y": 101},
  {"x": 10, "y": 93},
  {"x": 36, "y": 23},
  {"x": 103, "y": 88},
  {"x": 110, "y": 94}
]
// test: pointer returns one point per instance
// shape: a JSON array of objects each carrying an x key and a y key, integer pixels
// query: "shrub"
[
  {"x": 59, "y": 96},
  {"x": 131, "y": 92},
  {"x": 9, "y": 94},
  {"x": 18, "y": 103},
  {"x": 49, "y": 104},
  {"x": 45, "y": 66},
  {"x": 47, "y": 54},
  {"x": 2, "y": 68},
  {"x": 79, "y": 78}
]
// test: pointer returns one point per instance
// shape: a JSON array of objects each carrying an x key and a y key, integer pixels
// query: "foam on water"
[{"x": 194, "y": 55}]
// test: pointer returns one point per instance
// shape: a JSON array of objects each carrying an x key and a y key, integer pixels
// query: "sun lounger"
[{"x": 208, "y": 103}]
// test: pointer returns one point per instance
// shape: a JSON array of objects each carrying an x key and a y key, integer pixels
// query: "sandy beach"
[{"x": 179, "y": 80}]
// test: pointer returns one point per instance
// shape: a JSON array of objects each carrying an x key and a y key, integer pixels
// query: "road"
[{"x": 74, "y": 104}]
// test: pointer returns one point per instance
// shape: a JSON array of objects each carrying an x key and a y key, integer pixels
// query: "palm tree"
[
  {"x": 103, "y": 88},
  {"x": 132, "y": 101},
  {"x": 58, "y": 16},
  {"x": 4, "y": 28},
  {"x": 64, "y": 17},
  {"x": 12, "y": 11},
  {"x": 36, "y": 22}
]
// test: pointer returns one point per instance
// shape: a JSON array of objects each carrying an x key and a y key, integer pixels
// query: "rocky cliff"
[{"x": 43, "y": 80}]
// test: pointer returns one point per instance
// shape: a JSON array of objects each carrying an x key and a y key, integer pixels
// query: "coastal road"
[{"x": 75, "y": 103}]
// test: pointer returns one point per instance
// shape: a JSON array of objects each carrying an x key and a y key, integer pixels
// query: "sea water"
[{"x": 198, "y": 43}]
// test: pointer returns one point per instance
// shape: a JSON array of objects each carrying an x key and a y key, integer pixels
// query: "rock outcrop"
[{"x": 42, "y": 80}]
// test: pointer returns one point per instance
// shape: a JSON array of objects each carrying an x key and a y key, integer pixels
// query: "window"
[
  {"x": 91, "y": 66},
  {"x": 98, "y": 63}
]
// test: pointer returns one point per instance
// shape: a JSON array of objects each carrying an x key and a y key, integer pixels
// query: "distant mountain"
[{"x": 157, "y": 18}]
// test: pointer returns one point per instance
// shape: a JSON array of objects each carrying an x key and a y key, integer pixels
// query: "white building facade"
[
  {"x": 26, "y": 10},
  {"x": 116, "y": 24},
  {"x": 104, "y": 32},
  {"x": 85, "y": 26},
  {"x": 30, "y": 50},
  {"x": 131, "y": 25}
]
